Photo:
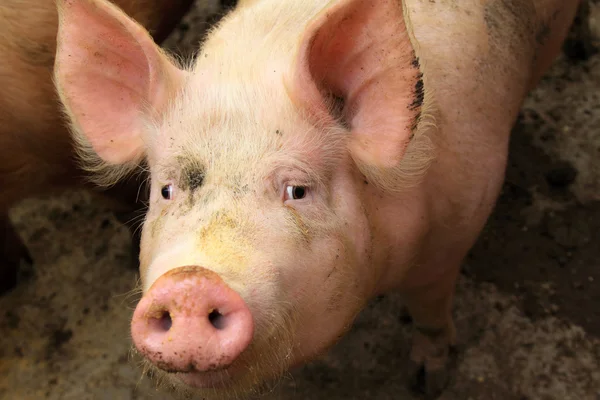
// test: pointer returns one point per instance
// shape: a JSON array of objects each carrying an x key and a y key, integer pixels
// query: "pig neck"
[{"x": 476, "y": 74}]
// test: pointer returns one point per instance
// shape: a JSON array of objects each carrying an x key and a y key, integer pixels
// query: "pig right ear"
[
  {"x": 111, "y": 77},
  {"x": 360, "y": 51}
]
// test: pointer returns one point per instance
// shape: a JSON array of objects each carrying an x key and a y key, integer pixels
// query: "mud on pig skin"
[
  {"x": 36, "y": 151},
  {"x": 314, "y": 154}
]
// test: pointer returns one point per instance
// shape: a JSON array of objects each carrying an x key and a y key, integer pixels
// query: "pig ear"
[
  {"x": 111, "y": 77},
  {"x": 360, "y": 51}
]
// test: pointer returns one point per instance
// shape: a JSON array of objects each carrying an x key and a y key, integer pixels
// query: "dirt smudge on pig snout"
[{"x": 226, "y": 241}]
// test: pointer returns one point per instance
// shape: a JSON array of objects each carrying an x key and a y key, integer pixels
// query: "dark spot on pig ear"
[
  {"x": 279, "y": 132},
  {"x": 417, "y": 103},
  {"x": 418, "y": 94},
  {"x": 192, "y": 177},
  {"x": 415, "y": 62}
]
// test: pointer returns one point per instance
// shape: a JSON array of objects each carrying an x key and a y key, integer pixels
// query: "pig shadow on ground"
[{"x": 548, "y": 259}]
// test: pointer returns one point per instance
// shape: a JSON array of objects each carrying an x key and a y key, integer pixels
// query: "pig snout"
[{"x": 191, "y": 321}]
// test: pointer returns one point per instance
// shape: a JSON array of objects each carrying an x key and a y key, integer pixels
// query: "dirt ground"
[{"x": 527, "y": 307}]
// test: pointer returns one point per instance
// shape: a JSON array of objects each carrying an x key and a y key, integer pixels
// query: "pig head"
[{"x": 300, "y": 165}]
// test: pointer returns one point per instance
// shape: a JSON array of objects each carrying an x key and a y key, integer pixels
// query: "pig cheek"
[
  {"x": 357, "y": 229},
  {"x": 152, "y": 231},
  {"x": 343, "y": 284},
  {"x": 327, "y": 301},
  {"x": 322, "y": 266}
]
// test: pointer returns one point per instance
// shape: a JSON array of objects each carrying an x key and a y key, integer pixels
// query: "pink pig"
[{"x": 315, "y": 154}]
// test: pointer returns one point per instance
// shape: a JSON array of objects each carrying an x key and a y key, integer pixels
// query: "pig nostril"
[
  {"x": 217, "y": 319},
  {"x": 160, "y": 324},
  {"x": 165, "y": 322}
]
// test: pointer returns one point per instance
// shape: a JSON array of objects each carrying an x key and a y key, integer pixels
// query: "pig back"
[
  {"x": 479, "y": 59},
  {"x": 490, "y": 51}
]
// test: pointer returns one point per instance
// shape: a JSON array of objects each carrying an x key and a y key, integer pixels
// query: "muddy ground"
[{"x": 527, "y": 307}]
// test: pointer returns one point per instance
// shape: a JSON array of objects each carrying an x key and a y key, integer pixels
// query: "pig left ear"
[
  {"x": 111, "y": 78},
  {"x": 360, "y": 51}
]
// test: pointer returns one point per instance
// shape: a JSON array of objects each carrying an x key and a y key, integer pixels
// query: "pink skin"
[
  {"x": 191, "y": 321},
  {"x": 129, "y": 76},
  {"x": 396, "y": 185}
]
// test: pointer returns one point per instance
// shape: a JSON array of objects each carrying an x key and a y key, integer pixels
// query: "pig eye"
[
  {"x": 167, "y": 192},
  {"x": 295, "y": 192}
]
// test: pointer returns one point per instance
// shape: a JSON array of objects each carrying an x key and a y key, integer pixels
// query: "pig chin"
[{"x": 255, "y": 372}]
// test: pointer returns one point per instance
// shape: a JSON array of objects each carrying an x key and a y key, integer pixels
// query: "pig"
[
  {"x": 314, "y": 154},
  {"x": 37, "y": 155}
]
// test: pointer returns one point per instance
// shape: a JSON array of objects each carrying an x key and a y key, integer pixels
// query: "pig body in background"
[
  {"x": 37, "y": 155},
  {"x": 316, "y": 154}
]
